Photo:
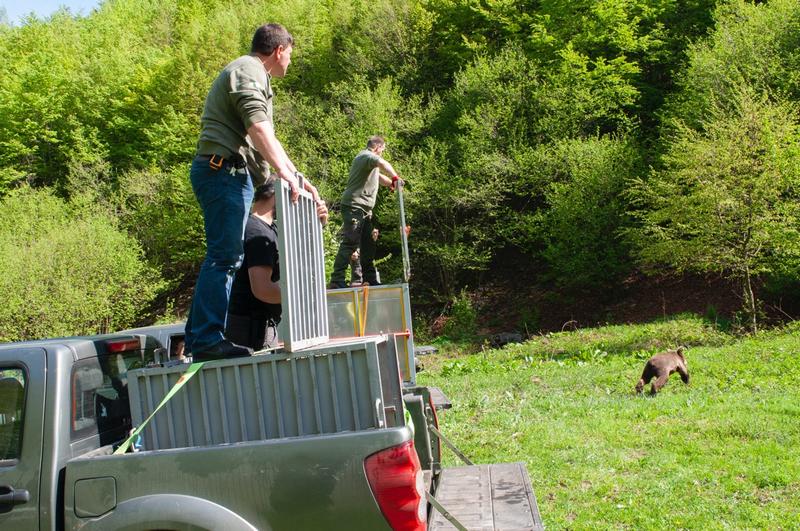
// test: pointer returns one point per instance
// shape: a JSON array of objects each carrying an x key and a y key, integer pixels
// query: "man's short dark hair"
[
  {"x": 265, "y": 191},
  {"x": 375, "y": 141},
  {"x": 270, "y": 36}
]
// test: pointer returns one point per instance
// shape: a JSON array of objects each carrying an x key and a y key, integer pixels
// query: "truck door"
[{"x": 22, "y": 388}]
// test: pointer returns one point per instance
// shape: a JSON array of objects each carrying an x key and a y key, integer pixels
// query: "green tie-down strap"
[{"x": 185, "y": 377}]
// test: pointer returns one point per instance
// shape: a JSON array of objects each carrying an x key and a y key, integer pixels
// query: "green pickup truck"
[
  {"x": 66, "y": 404},
  {"x": 327, "y": 432}
]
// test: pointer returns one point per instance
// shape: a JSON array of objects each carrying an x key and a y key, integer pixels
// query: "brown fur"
[{"x": 660, "y": 367}]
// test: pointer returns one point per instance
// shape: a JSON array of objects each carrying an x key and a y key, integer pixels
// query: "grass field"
[{"x": 723, "y": 452}]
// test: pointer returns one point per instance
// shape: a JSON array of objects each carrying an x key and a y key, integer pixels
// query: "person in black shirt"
[{"x": 255, "y": 306}]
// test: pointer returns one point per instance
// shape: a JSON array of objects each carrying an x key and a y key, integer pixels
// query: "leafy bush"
[
  {"x": 727, "y": 199},
  {"x": 160, "y": 210},
  {"x": 516, "y": 123},
  {"x": 754, "y": 46},
  {"x": 586, "y": 210},
  {"x": 462, "y": 320},
  {"x": 66, "y": 269}
]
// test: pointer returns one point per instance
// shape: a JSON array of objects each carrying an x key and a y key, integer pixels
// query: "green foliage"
[
  {"x": 586, "y": 211},
  {"x": 451, "y": 217},
  {"x": 724, "y": 197},
  {"x": 77, "y": 77},
  {"x": 754, "y": 47},
  {"x": 462, "y": 320},
  {"x": 66, "y": 269},
  {"x": 159, "y": 209},
  {"x": 644, "y": 36},
  {"x": 726, "y": 200},
  {"x": 489, "y": 186},
  {"x": 516, "y": 123}
]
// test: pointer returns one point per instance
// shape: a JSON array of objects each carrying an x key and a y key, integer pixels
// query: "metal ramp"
[{"x": 494, "y": 497}]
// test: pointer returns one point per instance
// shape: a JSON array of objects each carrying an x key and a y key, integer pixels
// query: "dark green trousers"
[{"x": 356, "y": 235}]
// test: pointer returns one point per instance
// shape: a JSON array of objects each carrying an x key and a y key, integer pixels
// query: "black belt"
[{"x": 218, "y": 161}]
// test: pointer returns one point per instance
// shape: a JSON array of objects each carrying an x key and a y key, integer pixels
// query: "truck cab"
[{"x": 58, "y": 399}]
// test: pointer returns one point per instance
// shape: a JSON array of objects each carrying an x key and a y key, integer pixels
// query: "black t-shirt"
[{"x": 260, "y": 249}]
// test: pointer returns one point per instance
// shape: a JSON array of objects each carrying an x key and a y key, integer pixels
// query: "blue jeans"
[{"x": 225, "y": 196}]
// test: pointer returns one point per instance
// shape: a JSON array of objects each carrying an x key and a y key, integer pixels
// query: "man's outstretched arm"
[{"x": 264, "y": 140}]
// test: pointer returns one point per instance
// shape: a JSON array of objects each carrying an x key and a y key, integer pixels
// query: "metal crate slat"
[
  {"x": 332, "y": 382},
  {"x": 262, "y": 424},
  {"x": 170, "y": 425},
  {"x": 315, "y": 387}
]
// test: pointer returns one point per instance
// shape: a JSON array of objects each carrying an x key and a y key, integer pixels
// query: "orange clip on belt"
[{"x": 215, "y": 162}]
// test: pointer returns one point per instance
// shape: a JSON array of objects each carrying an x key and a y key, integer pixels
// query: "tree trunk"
[{"x": 750, "y": 300}]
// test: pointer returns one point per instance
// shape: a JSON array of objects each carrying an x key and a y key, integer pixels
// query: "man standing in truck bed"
[
  {"x": 358, "y": 200},
  {"x": 238, "y": 107}
]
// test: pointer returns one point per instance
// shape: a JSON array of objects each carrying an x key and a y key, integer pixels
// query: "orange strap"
[{"x": 363, "y": 316}]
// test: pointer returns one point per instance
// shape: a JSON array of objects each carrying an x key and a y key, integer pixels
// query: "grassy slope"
[{"x": 722, "y": 452}]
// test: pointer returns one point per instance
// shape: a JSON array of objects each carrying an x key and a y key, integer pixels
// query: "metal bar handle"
[
  {"x": 450, "y": 445},
  {"x": 404, "y": 235}
]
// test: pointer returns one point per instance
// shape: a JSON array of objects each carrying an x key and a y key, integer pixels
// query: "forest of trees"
[{"x": 579, "y": 140}]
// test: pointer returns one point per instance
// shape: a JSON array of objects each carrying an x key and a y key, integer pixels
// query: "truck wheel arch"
[{"x": 170, "y": 511}]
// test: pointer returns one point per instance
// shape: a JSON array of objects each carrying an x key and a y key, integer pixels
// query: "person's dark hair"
[
  {"x": 375, "y": 141},
  {"x": 270, "y": 36},
  {"x": 265, "y": 191}
]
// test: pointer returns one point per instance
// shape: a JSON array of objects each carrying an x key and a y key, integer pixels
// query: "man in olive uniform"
[
  {"x": 357, "y": 203},
  {"x": 237, "y": 117}
]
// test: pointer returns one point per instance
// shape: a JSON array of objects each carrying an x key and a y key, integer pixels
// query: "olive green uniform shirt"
[
  {"x": 256, "y": 165},
  {"x": 362, "y": 187},
  {"x": 239, "y": 97}
]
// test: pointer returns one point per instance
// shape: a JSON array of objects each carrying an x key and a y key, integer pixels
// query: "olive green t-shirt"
[
  {"x": 362, "y": 187},
  {"x": 239, "y": 97},
  {"x": 256, "y": 165}
]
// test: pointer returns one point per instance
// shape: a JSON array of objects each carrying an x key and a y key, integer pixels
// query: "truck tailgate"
[
  {"x": 294, "y": 484},
  {"x": 494, "y": 497}
]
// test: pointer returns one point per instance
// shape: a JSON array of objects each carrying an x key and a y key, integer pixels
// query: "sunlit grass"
[{"x": 722, "y": 452}]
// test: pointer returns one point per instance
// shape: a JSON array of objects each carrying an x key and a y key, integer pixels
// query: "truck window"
[
  {"x": 176, "y": 347},
  {"x": 100, "y": 396},
  {"x": 12, "y": 402}
]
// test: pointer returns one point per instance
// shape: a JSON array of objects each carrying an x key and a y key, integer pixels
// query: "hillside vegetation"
[
  {"x": 572, "y": 142},
  {"x": 720, "y": 453}
]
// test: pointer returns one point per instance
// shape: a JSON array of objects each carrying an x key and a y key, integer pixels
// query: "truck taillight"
[
  {"x": 396, "y": 479},
  {"x": 122, "y": 345}
]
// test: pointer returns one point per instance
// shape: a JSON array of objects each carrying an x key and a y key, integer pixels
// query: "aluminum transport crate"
[
  {"x": 374, "y": 310},
  {"x": 342, "y": 386}
]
